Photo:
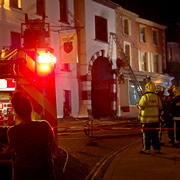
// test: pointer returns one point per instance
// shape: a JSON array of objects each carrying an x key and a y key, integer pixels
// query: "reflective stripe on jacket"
[{"x": 149, "y": 106}]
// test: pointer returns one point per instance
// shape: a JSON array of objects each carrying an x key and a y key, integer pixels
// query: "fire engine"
[
  {"x": 31, "y": 69},
  {"x": 7, "y": 116}
]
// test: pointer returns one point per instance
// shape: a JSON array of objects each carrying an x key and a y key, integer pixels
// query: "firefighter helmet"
[
  {"x": 176, "y": 91},
  {"x": 170, "y": 89},
  {"x": 150, "y": 87},
  {"x": 160, "y": 88}
]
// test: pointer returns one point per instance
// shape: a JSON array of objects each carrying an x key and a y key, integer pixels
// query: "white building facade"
[
  {"x": 86, "y": 86},
  {"x": 66, "y": 16}
]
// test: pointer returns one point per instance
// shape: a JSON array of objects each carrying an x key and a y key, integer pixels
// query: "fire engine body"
[
  {"x": 32, "y": 70},
  {"x": 7, "y": 115}
]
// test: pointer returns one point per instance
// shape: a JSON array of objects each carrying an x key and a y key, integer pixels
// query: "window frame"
[
  {"x": 158, "y": 63},
  {"x": 126, "y": 26},
  {"x": 129, "y": 54},
  {"x": 144, "y": 64},
  {"x": 142, "y": 36},
  {"x": 156, "y": 42}
]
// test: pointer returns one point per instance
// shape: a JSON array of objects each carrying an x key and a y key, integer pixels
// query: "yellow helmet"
[
  {"x": 170, "y": 88},
  {"x": 150, "y": 87},
  {"x": 176, "y": 91}
]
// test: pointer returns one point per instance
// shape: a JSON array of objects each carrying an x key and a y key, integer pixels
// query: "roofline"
[
  {"x": 126, "y": 12},
  {"x": 107, "y": 3},
  {"x": 150, "y": 23}
]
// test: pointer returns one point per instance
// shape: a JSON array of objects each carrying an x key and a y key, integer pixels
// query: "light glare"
[{"x": 44, "y": 58}]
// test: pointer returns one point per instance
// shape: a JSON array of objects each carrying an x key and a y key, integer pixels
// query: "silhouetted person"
[{"x": 31, "y": 143}]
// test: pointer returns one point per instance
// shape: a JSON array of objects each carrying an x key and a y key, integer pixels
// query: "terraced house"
[{"x": 88, "y": 81}]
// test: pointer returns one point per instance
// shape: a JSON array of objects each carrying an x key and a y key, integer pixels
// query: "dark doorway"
[
  {"x": 101, "y": 88},
  {"x": 67, "y": 103}
]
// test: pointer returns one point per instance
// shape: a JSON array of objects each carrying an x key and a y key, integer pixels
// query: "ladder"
[{"x": 122, "y": 56}]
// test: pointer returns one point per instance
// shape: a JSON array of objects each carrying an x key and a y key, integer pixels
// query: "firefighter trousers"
[{"x": 150, "y": 136}]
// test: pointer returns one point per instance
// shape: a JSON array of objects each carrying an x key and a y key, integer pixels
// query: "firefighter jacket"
[
  {"x": 149, "y": 107},
  {"x": 176, "y": 108}
]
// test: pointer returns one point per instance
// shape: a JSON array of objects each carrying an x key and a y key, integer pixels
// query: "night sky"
[{"x": 160, "y": 11}]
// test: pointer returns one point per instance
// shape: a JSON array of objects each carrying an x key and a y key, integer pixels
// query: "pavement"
[{"x": 129, "y": 164}]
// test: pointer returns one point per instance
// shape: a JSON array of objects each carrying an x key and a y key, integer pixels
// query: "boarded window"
[
  {"x": 101, "y": 28},
  {"x": 14, "y": 3},
  {"x": 40, "y": 7},
  {"x": 63, "y": 11}
]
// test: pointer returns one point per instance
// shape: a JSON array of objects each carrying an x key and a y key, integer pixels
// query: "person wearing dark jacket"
[
  {"x": 31, "y": 143},
  {"x": 176, "y": 113}
]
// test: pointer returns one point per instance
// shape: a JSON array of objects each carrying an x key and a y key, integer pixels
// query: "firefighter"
[
  {"x": 160, "y": 92},
  {"x": 167, "y": 113},
  {"x": 149, "y": 106},
  {"x": 176, "y": 111}
]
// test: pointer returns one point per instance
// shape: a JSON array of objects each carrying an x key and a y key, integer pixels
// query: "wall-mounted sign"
[{"x": 68, "y": 48}]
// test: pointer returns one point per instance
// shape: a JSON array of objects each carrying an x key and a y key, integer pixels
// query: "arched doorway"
[{"x": 101, "y": 92}]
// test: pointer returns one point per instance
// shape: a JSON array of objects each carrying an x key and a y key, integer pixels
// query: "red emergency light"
[
  {"x": 45, "y": 63},
  {"x": 10, "y": 110}
]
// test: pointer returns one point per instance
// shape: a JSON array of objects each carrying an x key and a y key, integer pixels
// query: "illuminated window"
[
  {"x": 40, "y": 7},
  {"x": 126, "y": 26},
  {"x": 133, "y": 95},
  {"x": 63, "y": 11},
  {"x": 101, "y": 29},
  {"x": 142, "y": 34},
  {"x": 155, "y": 37}
]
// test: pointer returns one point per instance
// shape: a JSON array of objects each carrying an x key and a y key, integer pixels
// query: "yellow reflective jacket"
[{"x": 149, "y": 106}]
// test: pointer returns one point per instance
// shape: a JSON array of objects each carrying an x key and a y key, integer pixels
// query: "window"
[
  {"x": 157, "y": 66},
  {"x": 170, "y": 54},
  {"x": 65, "y": 67},
  {"x": 40, "y": 7},
  {"x": 133, "y": 95},
  {"x": 142, "y": 34},
  {"x": 155, "y": 37},
  {"x": 156, "y": 63},
  {"x": 14, "y": 3},
  {"x": 144, "y": 60},
  {"x": 15, "y": 40},
  {"x": 127, "y": 51},
  {"x": 101, "y": 28},
  {"x": 126, "y": 26},
  {"x": 63, "y": 11}
]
